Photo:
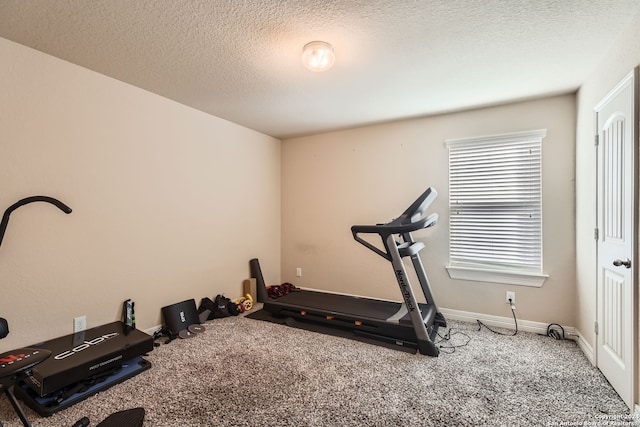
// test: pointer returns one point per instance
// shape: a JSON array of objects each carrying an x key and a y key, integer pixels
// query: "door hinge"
[
  {"x": 595, "y": 327},
  {"x": 596, "y": 233},
  {"x": 596, "y": 140}
]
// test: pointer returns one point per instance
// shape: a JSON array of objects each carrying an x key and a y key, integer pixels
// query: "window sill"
[{"x": 497, "y": 276}]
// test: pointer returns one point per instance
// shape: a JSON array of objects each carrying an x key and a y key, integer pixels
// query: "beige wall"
[
  {"x": 371, "y": 174},
  {"x": 168, "y": 203},
  {"x": 616, "y": 64}
]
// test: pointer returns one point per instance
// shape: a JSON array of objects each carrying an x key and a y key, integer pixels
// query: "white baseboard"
[
  {"x": 505, "y": 322},
  {"x": 152, "y": 330},
  {"x": 586, "y": 348},
  {"x": 523, "y": 325}
]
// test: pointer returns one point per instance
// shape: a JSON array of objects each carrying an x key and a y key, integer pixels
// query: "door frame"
[{"x": 634, "y": 75}]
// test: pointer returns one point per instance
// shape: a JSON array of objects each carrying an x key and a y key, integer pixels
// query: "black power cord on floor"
[
  {"x": 444, "y": 342},
  {"x": 515, "y": 320},
  {"x": 446, "y": 338}
]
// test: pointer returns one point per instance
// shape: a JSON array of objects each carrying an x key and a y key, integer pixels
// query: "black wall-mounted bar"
[{"x": 5, "y": 218}]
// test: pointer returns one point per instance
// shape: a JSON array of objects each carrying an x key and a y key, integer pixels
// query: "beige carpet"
[{"x": 245, "y": 372}]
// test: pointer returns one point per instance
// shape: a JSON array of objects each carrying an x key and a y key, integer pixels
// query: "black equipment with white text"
[
  {"x": 81, "y": 355},
  {"x": 179, "y": 316}
]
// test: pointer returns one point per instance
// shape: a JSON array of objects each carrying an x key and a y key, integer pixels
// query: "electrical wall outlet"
[
  {"x": 298, "y": 272},
  {"x": 79, "y": 323},
  {"x": 510, "y": 296}
]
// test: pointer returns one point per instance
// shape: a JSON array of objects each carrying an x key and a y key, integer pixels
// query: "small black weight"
[
  {"x": 196, "y": 329},
  {"x": 185, "y": 333}
]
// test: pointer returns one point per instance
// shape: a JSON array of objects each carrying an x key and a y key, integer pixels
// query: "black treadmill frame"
[{"x": 408, "y": 324}]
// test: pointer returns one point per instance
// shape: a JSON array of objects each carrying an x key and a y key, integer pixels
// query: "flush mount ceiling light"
[{"x": 318, "y": 56}]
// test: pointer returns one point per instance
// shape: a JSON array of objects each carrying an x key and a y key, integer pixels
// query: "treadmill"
[{"x": 407, "y": 324}]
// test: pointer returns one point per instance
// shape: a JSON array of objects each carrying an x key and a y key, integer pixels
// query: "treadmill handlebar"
[
  {"x": 385, "y": 230},
  {"x": 394, "y": 227},
  {"x": 418, "y": 208},
  {"x": 411, "y": 219}
]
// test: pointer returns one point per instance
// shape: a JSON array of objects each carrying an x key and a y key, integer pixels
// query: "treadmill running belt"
[{"x": 335, "y": 303}]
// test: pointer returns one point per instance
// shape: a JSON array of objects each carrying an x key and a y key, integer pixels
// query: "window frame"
[{"x": 486, "y": 271}]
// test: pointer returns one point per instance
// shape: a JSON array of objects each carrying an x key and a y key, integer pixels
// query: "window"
[{"x": 495, "y": 208}]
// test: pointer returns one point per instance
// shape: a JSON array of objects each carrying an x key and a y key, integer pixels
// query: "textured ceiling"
[{"x": 240, "y": 59}]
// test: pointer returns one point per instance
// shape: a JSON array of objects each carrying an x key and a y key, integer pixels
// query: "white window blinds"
[{"x": 495, "y": 202}]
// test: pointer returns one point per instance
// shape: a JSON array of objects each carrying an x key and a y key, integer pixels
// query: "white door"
[{"x": 617, "y": 263}]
